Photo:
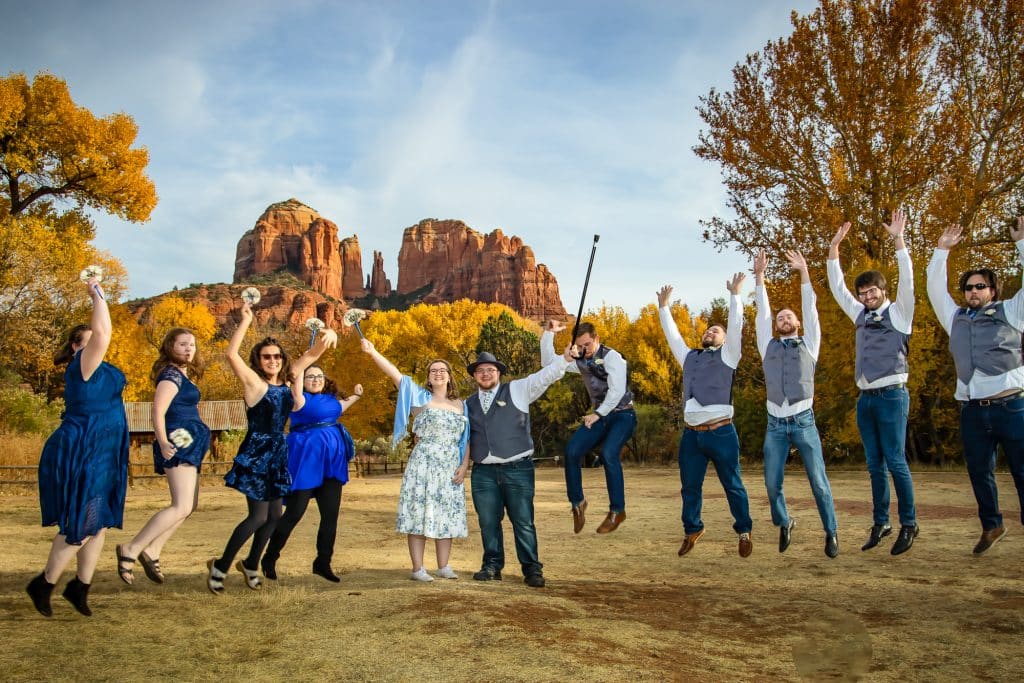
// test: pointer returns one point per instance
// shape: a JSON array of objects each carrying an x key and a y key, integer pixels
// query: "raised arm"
[
  {"x": 386, "y": 366},
  {"x": 808, "y": 303},
  {"x": 357, "y": 393},
  {"x": 836, "y": 280},
  {"x": 903, "y": 306},
  {"x": 938, "y": 291},
  {"x": 96, "y": 349},
  {"x": 675, "y": 341},
  {"x": 325, "y": 339},
  {"x": 254, "y": 386},
  {"x": 547, "y": 344},
  {"x": 732, "y": 350},
  {"x": 1015, "y": 307},
  {"x": 530, "y": 388},
  {"x": 763, "y": 312}
]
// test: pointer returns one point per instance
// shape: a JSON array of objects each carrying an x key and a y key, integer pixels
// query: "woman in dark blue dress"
[
  {"x": 175, "y": 415},
  {"x": 260, "y": 470},
  {"x": 83, "y": 470},
  {"x": 319, "y": 450}
]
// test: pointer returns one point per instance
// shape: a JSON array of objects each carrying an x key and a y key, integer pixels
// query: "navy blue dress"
[
  {"x": 260, "y": 470},
  {"x": 83, "y": 470},
  {"x": 182, "y": 413},
  {"x": 319, "y": 447}
]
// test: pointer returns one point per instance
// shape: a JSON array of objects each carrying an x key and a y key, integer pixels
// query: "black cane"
[{"x": 586, "y": 282}]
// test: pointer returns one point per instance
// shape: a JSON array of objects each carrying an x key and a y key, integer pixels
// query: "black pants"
[
  {"x": 328, "y": 502},
  {"x": 259, "y": 524}
]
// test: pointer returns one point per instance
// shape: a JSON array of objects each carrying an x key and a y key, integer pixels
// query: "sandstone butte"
[{"x": 440, "y": 260}]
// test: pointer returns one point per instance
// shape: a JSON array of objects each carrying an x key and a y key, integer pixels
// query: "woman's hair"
[
  {"x": 330, "y": 388},
  {"x": 195, "y": 366},
  {"x": 254, "y": 360},
  {"x": 66, "y": 352},
  {"x": 452, "y": 391}
]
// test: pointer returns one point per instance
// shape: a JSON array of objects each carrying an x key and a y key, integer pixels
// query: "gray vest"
[
  {"x": 707, "y": 378},
  {"x": 881, "y": 348},
  {"x": 988, "y": 343},
  {"x": 504, "y": 431},
  {"x": 788, "y": 371},
  {"x": 595, "y": 378}
]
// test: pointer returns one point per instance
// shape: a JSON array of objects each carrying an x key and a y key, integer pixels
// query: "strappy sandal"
[
  {"x": 127, "y": 574},
  {"x": 252, "y": 577},
  {"x": 151, "y": 567},
  {"x": 215, "y": 579}
]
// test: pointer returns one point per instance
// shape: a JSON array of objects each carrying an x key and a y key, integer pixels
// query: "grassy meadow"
[{"x": 617, "y": 607}]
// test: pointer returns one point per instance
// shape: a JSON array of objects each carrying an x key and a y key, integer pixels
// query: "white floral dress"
[{"x": 429, "y": 504}]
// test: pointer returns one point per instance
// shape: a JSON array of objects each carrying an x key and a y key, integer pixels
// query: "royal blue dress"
[
  {"x": 182, "y": 413},
  {"x": 83, "y": 470},
  {"x": 260, "y": 470},
  {"x": 319, "y": 447}
]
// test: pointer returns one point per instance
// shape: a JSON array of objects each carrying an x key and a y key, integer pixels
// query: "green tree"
[{"x": 516, "y": 347}]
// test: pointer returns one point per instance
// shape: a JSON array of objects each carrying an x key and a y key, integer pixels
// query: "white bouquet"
[
  {"x": 91, "y": 272},
  {"x": 352, "y": 318},
  {"x": 180, "y": 437},
  {"x": 314, "y": 325},
  {"x": 251, "y": 296}
]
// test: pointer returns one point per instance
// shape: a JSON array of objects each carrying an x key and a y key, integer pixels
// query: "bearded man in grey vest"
[
  {"x": 985, "y": 339},
  {"x": 789, "y": 362},
  {"x": 709, "y": 435},
  {"x": 501, "y": 448},
  {"x": 881, "y": 372},
  {"x": 611, "y": 424}
]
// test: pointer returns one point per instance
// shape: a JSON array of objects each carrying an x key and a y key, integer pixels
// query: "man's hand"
[
  {"x": 736, "y": 283},
  {"x": 798, "y": 263},
  {"x": 590, "y": 420},
  {"x": 897, "y": 225},
  {"x": 760, "y": 264},
  {"x": 554, "y": 326},
  {"x": 951, "y": 236},
  {"x": 569, "y": 353},
  {"x": 664, "y": 295}
]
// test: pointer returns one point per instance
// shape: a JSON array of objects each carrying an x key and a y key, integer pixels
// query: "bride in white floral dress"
[{"x": 432, "y": 501}]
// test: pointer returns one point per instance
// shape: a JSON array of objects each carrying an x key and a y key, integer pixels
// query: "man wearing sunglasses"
[
  {"x": 611, "y": 424},
  {"x": 985, "y": 340},
  {"x": 881, "y": 372}
]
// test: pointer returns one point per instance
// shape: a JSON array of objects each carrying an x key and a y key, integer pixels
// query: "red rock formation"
[
  {"x": 351, "y": 268},
  {"x": 461, "y": 263},
  {"x": 379, "y": 284}
]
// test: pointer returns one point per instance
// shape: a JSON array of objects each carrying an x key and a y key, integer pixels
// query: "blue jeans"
[
  {"x": 981, "y": 429},
  {"x": 798, "y": 430},
  {"x": 722, "y": 448},
  {"x": 497, "y": 488},
  {"x": 614, "y": 430},
  {"x": 882, "y": 420}
]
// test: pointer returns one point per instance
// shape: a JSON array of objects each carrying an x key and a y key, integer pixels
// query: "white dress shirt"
[
  {"x": 525, "y": 391},
  {"x": 811, "y": 338},
  {"x": 981, "y": 385},
  {"x": 694, "y": 413},
  {"x": 901, "y": 311},
  {"x": 614, "y": 365}
]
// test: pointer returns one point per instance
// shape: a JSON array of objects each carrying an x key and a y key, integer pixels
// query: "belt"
[
  {"x": 709, "y": 426},
  {"x": 791, "y": 418},
  {"x": 312, "y": 425},
  {"x": 881, "y": 390},
  {"x": 517, "y": 461},
  {"x": 984, "y": 402}
]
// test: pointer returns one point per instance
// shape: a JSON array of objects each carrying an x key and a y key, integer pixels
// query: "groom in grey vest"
[
  {"x": 501, "y": 447},
  {"x": 789, "y": 362},
  {"x": 985, "y": 339}
]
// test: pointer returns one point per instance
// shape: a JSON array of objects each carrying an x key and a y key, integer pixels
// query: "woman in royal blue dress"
[
  {"x": 83, "y": 470},
  {"x": 260, "y": 470},
  {"x": 175, "y": 412},
  {"x": 319, "y": 450}
]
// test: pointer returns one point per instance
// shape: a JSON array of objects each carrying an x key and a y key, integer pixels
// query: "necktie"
[{"x": 485, "y": 400}]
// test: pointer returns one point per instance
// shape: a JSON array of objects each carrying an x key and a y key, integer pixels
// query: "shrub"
[{"x": 22, "y": 411}]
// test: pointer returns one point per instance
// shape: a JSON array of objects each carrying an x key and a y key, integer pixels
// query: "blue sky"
[{"x": 551, "y": 120}]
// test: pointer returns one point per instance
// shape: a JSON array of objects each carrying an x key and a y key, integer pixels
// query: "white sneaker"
[
  {"x": 446, "y": 572},
  {"x": 421, "y": 575}
]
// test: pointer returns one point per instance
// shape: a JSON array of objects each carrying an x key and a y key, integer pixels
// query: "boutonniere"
[
  {"x": 990, "y": 311},
  {"x": 599, "y": 361},
  {"x": 501, "y": 404},
  {"x": 877, "y": 317}
]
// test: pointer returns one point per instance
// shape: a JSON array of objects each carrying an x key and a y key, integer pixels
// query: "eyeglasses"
[
  {"x": 315, "y": 378},
  {"x": 870, "y": 291},
  {"x": 977, "y": 285},
  {"x": 438, "y": 371},
  {"x": 485, "y": 371},
  {"x": 271, "y": 356}
]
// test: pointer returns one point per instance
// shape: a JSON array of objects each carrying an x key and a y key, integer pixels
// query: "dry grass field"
[{"x": 617, "y": 608}]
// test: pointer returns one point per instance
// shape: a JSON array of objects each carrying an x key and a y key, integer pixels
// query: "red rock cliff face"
[
  {"x": 462, "y": 263},
  {"x": 291, "y": 235},
  {"x": 351, "y": 268}
]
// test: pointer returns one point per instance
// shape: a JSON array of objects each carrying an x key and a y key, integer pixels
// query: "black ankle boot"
[
  {"x": 77, "y": 593},
  {"x": 323, "y": 569},
  {"x": 269, "y": 566},
  {"x": 39, "y": 589}
]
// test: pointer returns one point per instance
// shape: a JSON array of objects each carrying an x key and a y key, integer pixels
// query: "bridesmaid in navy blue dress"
[
  {"x": 260, "y": 470},
  {"x": 175, "y": 412},
  {"x": 83, "y": 470},
  {"x": 319, "y": 450}
]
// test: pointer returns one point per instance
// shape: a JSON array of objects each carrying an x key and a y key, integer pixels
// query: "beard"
[{"x": 707, "y": 343}]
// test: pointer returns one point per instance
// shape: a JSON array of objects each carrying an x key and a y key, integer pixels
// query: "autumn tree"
[
  {"x": 516, "y": 347},
  {"x": 867, "y": 106}
]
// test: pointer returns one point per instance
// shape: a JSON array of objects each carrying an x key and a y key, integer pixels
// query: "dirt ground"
[{"x": 617, "y": 607}]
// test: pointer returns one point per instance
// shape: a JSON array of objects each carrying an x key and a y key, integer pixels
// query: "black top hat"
[{"x": 485, "y": 358}]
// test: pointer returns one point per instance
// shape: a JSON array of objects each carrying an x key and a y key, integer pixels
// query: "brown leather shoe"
[
  {"x": 988, "y": 539},
  {"x": 689, "y": 541},
  {"x": 746, "y": 545},
  {"x": 611, "y": 522},
  {"x": 579, "y": 517}
]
